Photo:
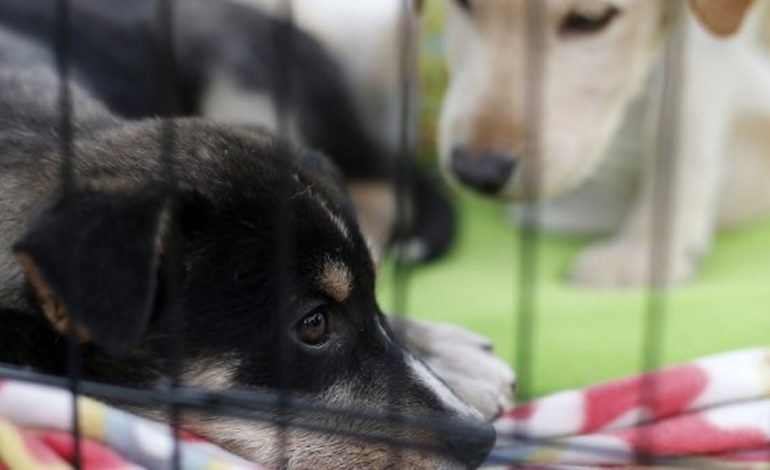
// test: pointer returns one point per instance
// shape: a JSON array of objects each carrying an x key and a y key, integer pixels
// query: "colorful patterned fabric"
[
  {"x": 713, "y": 411},
  {"x": 36, "y": 427}
]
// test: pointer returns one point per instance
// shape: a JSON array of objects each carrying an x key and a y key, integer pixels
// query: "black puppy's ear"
[{"x": 93, "y": 258}]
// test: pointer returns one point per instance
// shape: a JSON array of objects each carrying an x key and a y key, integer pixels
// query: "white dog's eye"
[{"x": 588, "y": 19}]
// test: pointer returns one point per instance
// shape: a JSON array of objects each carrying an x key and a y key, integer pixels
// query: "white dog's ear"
[{"x": 721, "y": 17}]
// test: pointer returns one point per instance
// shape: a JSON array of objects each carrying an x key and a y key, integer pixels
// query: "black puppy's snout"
[
  {"x": 486, "y": 173},
  {"x": 472, "y": 448}
]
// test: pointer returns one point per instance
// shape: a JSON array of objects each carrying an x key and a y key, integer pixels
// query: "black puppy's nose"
[
  {"x": 486, "y": 173},
  {"x": 472, "y": 448}
]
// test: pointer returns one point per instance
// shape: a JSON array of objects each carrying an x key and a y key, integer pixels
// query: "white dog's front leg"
[
  {"x": 463, "y": 360},
  {"x": 674, "y": 217}
]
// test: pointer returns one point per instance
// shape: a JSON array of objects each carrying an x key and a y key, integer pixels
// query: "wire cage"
[{"x": 288, "y": 410}]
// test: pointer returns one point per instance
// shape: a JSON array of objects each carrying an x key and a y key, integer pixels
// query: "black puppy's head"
[{"x": 275, "y": 291}]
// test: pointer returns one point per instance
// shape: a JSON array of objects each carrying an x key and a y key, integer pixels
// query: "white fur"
[
  {"x": 465, "y": 362},
  {"x": 599, "y": 111},
  {"x": 226, "y": 101},
  {"x": 334, "y": 218},
  {"x": 549, "y": 420},
  {"x": 425, "y": 376}
]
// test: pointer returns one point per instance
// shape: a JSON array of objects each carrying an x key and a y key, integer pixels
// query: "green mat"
[{"x": 584, "y": 335}]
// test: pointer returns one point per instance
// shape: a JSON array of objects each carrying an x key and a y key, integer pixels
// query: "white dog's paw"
[
  {"x": 621, "y": 263},
  {"x": 465, "y": 361}
]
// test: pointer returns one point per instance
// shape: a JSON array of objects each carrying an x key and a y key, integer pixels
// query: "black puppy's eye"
[
  {"x": 313, "y": 329},
  {"x": 588, "y": 22}
]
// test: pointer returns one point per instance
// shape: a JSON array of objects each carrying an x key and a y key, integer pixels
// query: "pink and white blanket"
[{"x": 713, "y": 411}]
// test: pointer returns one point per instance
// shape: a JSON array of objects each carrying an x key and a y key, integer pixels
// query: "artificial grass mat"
[{"x": 584, "y": 335}]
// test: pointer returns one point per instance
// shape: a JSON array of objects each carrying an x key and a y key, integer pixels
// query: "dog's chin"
[
  {"x": 324, "y": 452},
  {"x": 526, "y": 185},
  {"x": 517, "y": 191},
  {"x": 297, "y": 448},
  {"x": 542, "y": 186},
  {"x": 379, "y": 458}
]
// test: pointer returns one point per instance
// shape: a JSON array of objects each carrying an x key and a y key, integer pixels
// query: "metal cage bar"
[
  {"x": 284, "y": 43},
  {"x": 529, "y": 230},
  {"x": 172, "y": 264},
  {"x": 402, "y": 179},
  {"x": 61, "y": 47},
  {"x": 664, "y": 179}
]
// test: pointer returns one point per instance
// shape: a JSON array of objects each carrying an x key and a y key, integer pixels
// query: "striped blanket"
[
  {"x": 36, "y": 432},
  {"x": 712, "y": 412}
]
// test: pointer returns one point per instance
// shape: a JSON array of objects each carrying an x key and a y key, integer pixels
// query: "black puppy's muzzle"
[
  {"x": 473, "y": 447},
  {"x": 486, "y": 173}
]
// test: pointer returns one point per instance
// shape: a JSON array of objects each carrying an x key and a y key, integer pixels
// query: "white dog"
[{"x": 600, "y": 59}]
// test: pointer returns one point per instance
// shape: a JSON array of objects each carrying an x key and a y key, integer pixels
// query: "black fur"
[{"x": 116, "y": 54}]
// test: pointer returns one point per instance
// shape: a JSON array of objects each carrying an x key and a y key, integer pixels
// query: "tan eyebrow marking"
[{"x": 336, "y": 280}]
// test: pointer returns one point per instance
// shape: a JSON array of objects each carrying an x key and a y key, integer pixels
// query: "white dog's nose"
[{"x": 486, "y": 173}]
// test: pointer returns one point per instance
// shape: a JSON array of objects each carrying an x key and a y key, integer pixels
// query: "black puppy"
[
  {"x": 232, "y": 64},
  {"x": 89, "y": 259}
]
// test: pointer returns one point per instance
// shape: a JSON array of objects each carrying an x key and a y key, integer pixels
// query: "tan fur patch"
[
  {"x": 52, "y": 307},
  {"x": 336, "y": 280},
  {"x": 721, "y": 17},
  {"x": 213, "y": 373}
]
